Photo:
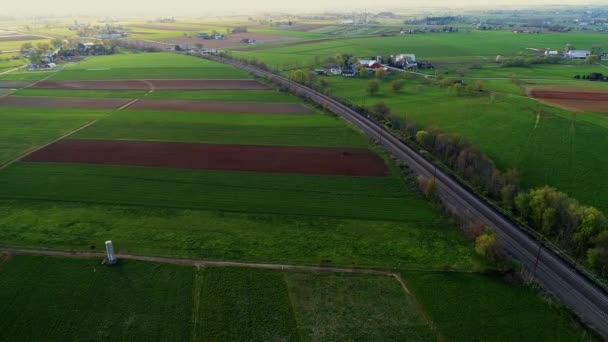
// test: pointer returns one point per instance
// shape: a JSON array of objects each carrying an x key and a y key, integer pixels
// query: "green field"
[
  {"x": 22, "y": 129},
  {"x": 200, "y": 95},
  {"x": 435, "y": 47},
  {"x": 57, "y": 299},
  {"x": 556, "y": 151},
  {"x": 474, "y": 307},
  {"x": 378, "y": 222},
  {"x": 226, "y": 128},
  {"x": 139, "y": 300}
]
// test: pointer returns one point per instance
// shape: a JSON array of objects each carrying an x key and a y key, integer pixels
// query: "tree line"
[{"x": 579, "y": 229}]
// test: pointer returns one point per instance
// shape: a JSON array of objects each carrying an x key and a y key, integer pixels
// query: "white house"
[
  {"x": 578, "y": 54},
  {"x": 551, "y": 53},
  {"x": 407, "y": 60}
]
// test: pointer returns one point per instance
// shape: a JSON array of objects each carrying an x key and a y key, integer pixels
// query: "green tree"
[
  {"x": 397, "y": 85},
  {"x": 597, "y": 257},
  {"x": 380, "y": 73},
  {"x": 298, "y": 76},
  {"x": 381, "y": 109},
  {"x": 26, "y": 47},
  {"x": 422, "y": 137},
  {"x": 35, "y": 57},
  {"x": 373, "y": 87},
  {"x": 486, "y": 245},
  {"x": 593, "y": 59},
  {"x": 57, "y": 43}
]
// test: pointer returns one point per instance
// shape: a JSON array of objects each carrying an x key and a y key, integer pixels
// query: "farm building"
[
  {"x": 406, "y": 60},
  {"x": 604, "y": 56},
  {"x": 578, "y": 54},
  {"x": 368, "y": 63},
  {"x": 551, "y": 53}
]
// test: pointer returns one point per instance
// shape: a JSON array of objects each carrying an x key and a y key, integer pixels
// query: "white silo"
[{"x": 110, "y": 257}]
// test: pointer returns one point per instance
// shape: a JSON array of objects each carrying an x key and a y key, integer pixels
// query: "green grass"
[
  {"x": 202, "y": 95},
  {"x": 146, "y": 60},
  {"x": 26, "y": 75},
  {"x": 367, "y": 197},
  {"x": 59, "y": 299},
  {"x": 474, "y": 307},
  {"x": 353, "y": 307},
  {"x": 421, "y": 242},
  {"x": 555, "y": 152},
  {"x": 16, "y": 44},
  {"x": 22, "y": 129},
  {"x": 244, "y": 305},
  {"x": 151, "y": 73},
  {"x": 426, "y": 46},
  {"x": 225, "y": 128},
  {"x": 148, "y": 66}
]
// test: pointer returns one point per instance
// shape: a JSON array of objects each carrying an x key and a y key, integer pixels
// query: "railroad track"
[{"x": 578, "y": 290}]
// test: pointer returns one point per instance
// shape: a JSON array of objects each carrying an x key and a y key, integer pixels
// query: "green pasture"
[
  {"x": 21, "y": 75},
  {"x": 59, "y": 299},
  {"x": 430, "y": 46},
  {"x": 557, "y": 151},
  {"x": 199, "y": 95},
  {"x": 353, "y": 307},
  {"x": 226, "y": 128},
  {"x": 381, "y": 198},
  {"x": 22, "y": 129},
  {"x": 422, "y": 242},
  {"x": 477, "y": 307},
  {"x": 146, "y": 60},
  {"x": 16, "y": 44},
  {"x": 150, "y": 73},
  {"x": 157, "y": 65}
]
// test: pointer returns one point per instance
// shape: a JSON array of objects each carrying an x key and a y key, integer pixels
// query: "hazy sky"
[{"x": 201, "y": 8}]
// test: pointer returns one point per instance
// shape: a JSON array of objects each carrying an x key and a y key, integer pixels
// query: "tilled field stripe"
[
  {"x": 128, "y": 104},
  {"x": 37, "y": 148}
]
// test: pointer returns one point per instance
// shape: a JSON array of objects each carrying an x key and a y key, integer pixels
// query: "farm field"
[
  {"x": 433, "y": 47},
  {"x": 80, "y": 299},
  {"x": 200, "y": 304},
  {"x": 562, "y": 153},
  {"x": 249, "y": 96},
  {"x": 22, "y": 129},
  {"x": 374, "y": 221}
]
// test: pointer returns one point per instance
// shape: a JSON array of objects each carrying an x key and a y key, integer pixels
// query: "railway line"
[{"x": 575, "y": 288}]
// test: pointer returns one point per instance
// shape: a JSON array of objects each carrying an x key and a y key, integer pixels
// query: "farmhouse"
[
  {"x": 578, "y": 54},
  {"x": 551, "y": 53},
  {"x": 368, "y": 63},
  {"x": 406, "y": 61},
  {"x": 604, "y": 56}
]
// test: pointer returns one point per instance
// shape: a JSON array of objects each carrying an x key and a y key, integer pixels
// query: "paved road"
[{"x": 577, "y": 290}]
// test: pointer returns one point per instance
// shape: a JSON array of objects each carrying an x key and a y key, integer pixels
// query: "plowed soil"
[
  {"x": 220, "y": 107},
  {"x": 571, "y": 95},
  {"x": 59, "y": 102},
  {"x": 573, "y": 98},
  {"x": 154, "y": 84},
  {"x": 252, "y": 158}
]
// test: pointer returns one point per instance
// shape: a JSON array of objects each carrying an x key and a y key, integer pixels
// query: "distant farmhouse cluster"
[
  {"x": 574, "y": 54},
  {"x": 399, "y": 61}
]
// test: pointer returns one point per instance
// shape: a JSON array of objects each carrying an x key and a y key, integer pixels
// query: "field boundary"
[
  {"x": 198, "y": 263},
  {"x": 37, "y": 148}
]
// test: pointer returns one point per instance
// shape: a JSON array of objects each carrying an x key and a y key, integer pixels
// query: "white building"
[{"x": 578, "y": 54}]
